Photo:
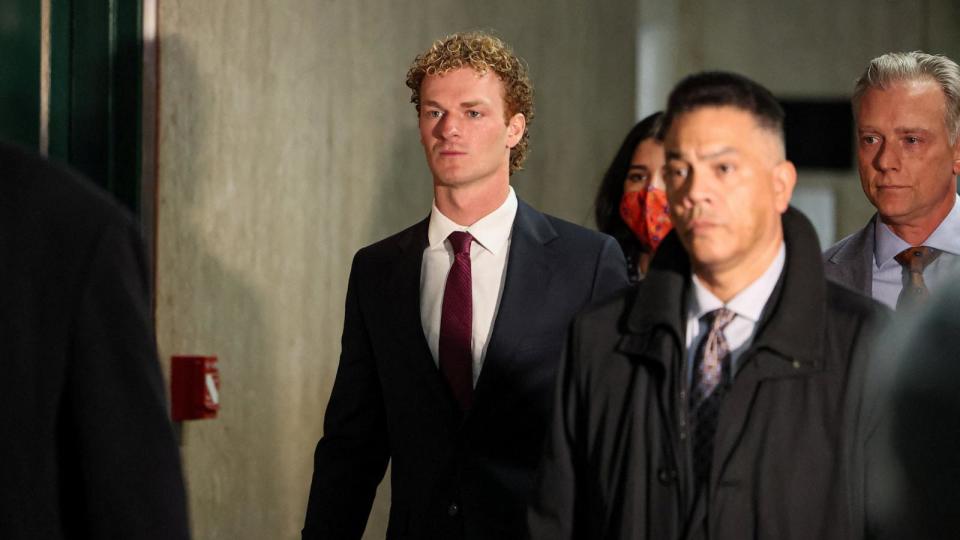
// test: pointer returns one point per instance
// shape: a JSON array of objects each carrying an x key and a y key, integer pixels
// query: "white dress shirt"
[
  {"x": 888, "y": 274},
  {"x": 747, "y": 305},
  {"x": 488, "y": 265}
]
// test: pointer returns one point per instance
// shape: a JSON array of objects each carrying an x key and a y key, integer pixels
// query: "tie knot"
[
  {"x": 915, "y": 259},
  {"x": 460, "y": 240},
  {"x": 718, "y": 319}
]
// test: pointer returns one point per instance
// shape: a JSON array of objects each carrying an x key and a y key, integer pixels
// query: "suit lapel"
[
  {"x": 853, "y": 261},
  {"x": 526, "y": 282},
  {"x": 401, "y": 299}
]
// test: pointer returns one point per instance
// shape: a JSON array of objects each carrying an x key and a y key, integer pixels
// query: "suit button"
[
  {"x": 453, "y": 509},
  {"x": 666, "y": 476}
]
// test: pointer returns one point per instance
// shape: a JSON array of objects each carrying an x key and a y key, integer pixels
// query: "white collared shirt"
[
  {"x": 748, "y": 305},
  {"x": 888, "y": 274},
  {"x": 488, "y": 264}
]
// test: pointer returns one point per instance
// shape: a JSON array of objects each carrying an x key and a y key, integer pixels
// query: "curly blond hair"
[{"x": 482, "y": 52}]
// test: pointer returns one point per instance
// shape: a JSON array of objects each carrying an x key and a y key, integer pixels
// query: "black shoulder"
[
  {"x": 607, "y": 316},
  {"x": 413, "y": 237},
  {"x": 593, "y": 355},
  {"x": 577, "y": 233},
  {"x": 44, "y": 196},
  {"x": 849, "y": 309}
]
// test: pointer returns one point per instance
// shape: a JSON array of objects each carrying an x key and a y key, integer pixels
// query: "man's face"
[
  {"x": 464, "y": 129},
  {"x": 907, "y": 165},
  {"x": 727, "y": 184}
]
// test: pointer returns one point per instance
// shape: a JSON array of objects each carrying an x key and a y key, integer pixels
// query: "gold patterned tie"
[
  {"x": 914, "y": 260},
  {"x": 711, "y": 376}
]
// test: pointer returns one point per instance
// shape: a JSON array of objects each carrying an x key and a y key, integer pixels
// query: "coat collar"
[
  {"x": 792, "y": 322},
  {"x": 659, "y": 301}
]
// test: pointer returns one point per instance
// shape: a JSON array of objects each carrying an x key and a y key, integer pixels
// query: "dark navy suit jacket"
[{"x": 453, "y": 476}]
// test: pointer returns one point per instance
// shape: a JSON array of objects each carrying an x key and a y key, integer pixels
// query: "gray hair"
[{"x": 895, "y": 67}]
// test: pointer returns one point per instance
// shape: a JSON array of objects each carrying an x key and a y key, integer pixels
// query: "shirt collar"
[
  {"x": 748, "y": 303},
  {"x": 491, "y": 231},
  {"x": 946, "y": 237}
]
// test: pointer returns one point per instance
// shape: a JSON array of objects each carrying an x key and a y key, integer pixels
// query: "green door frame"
[
  {"x": 94, "y": 52},
  {"x": 95, "y": 92},
  {"x": 19, "y": 82}
]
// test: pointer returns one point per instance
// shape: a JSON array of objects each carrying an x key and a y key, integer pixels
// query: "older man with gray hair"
[{"x": 907, "y": 110}]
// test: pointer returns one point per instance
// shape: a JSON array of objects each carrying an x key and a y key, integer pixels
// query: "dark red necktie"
[{"x": 456, "y": 323}]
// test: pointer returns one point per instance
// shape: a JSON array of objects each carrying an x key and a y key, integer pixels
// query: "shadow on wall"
[
  {"x": 207, "y": 306},
  {"x": 407, "y": 189}
]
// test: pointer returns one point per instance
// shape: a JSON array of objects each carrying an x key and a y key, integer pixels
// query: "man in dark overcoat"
[{"x": 720, "y": 398}]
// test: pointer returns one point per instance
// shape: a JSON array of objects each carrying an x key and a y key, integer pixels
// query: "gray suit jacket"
[{"x": 849, "y": 261}]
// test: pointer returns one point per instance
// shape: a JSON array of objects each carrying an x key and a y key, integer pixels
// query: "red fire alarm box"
[{"x": 194, "y": 387}]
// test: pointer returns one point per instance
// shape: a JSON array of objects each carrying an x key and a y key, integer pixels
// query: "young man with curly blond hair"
[{"x": 454, "y": 326}]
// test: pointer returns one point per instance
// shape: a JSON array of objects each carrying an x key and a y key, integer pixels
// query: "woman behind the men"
[{"x": 631, "y": 205}]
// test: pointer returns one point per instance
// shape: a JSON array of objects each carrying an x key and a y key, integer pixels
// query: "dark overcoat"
[
  {"x": 786, "y": 458},
  {"x": 86, "y": 445}
]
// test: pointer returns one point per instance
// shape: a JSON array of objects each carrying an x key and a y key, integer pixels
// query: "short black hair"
[
  {"x": 723, "y": 89},
  {"x": 607, "y": 204}
]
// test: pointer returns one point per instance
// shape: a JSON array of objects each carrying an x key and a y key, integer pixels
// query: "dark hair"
[
  {"x": 720, "y": 89},
  {"x": 611, "y": 188}
]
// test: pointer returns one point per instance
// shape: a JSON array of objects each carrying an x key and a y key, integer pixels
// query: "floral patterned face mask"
[{"x": 647, "y": 214}]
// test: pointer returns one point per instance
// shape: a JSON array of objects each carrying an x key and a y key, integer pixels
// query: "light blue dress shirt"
[
  {"x": 748, "y": 305},
  {"x": 889, "y": 276}
]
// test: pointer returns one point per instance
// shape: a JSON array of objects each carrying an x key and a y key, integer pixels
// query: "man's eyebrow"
[
  {"x": 911, "y": 130},
  {"x": 719, "y": 152},
  {"x": 463, "y": 104},
  {"x": 905, "y": 129},
  {"x": 676, "y": 154}
]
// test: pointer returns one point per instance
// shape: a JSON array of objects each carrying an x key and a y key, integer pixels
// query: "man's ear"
[
  {"x": 516, "y": 126},
  {"x": 956, "y": 156},
  {"x": 784, "y": 180}
]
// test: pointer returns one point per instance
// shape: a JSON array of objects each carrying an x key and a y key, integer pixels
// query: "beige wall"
[{"x": 287, "y": 142}]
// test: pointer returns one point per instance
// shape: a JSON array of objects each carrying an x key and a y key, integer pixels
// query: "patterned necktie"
[
  {"x": 914, "y": 260},
  {"x": 711, "y": 375},
  {"x": 456, "y": 323}
]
